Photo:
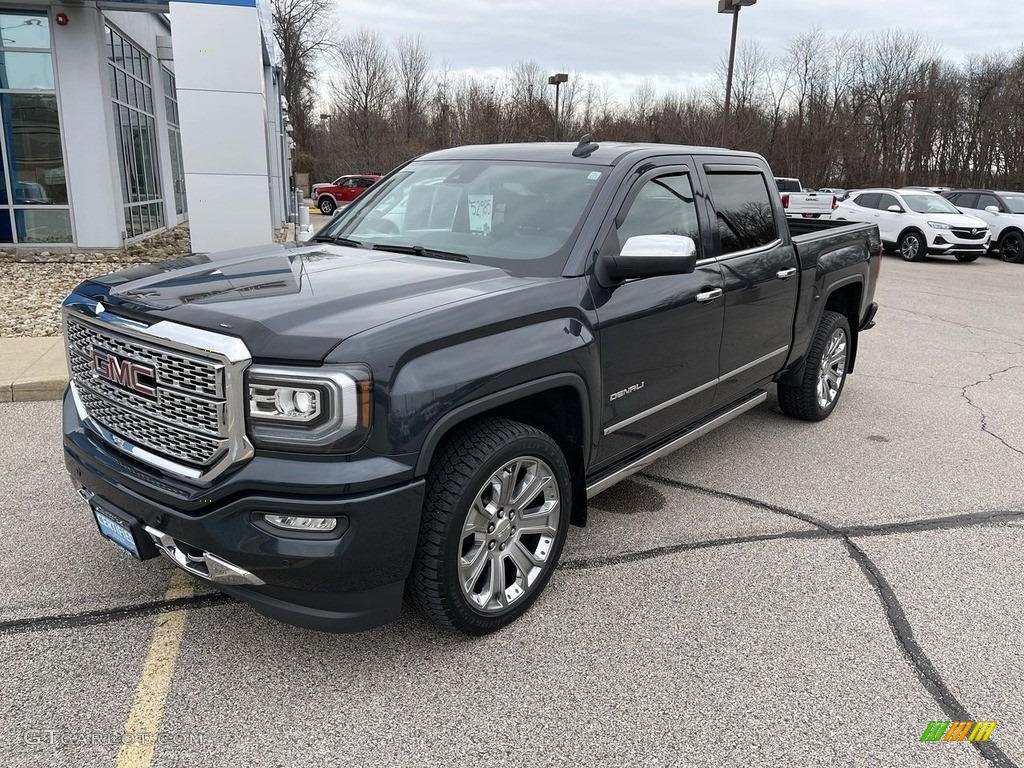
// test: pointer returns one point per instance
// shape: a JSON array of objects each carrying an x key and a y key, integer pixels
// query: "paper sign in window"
[{"x": 481, "y": 210}]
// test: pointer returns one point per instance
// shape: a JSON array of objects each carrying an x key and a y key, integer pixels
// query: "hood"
[
  {"x": 957, "y": 220},
  {"x": 291, "y": 303}
]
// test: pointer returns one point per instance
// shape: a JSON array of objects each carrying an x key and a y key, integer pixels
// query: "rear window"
[
  {"x": 788, "y": 185},
  {"x": 743, "y": 211}
]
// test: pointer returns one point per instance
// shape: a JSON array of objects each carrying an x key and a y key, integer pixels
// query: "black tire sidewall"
[
  {"x": 471, "y": 619},
  {"x": 325, "y": 202}
]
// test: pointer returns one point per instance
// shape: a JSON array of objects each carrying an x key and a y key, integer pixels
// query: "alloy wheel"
[
  {"x": 509, "y": 534},
  {"x": 833, "y": 368}
]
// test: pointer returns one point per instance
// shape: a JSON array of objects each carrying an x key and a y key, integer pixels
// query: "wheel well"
[
  {"x": 916, "y": 231},
  {"x": 846, "y": 301},
  {"x": 1008, "y": 230},
  {"x": 557, "y": 412}
]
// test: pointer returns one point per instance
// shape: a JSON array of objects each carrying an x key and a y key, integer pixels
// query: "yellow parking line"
[{"x": 139, "y": 742}]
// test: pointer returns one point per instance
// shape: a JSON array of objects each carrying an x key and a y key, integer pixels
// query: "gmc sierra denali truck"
[{"x": 421, "y": 399}]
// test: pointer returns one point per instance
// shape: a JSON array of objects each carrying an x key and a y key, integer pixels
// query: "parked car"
[
  {"x": 796, "y": 201},
  {"x": 1004, "y": 214},
  {"x": 917, "y": 222},
  {"x": 342, "y": 191},
  {"x": 423, "y": 406},
  {"x": 840, "y": 194}
]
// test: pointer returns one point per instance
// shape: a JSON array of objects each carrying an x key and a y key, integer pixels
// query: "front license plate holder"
[{"x": 124, "y": 531}]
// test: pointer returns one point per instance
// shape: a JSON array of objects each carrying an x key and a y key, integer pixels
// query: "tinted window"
[
  {"x": 984, "y": 201},
  {"x": 743, "y": 210},
  {"x": 965, "y": 200},
  {"x": 664, "y": 206},
  {"x": 884, "y": 201},
  {"x": 788, "y": 185},
  {"x": 869, "y": 200}
]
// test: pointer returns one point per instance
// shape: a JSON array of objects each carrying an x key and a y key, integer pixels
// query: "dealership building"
[{"x": 121, "y": 119}]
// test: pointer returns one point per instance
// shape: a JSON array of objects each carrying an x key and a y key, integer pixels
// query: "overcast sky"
[{"x": 674, "y": 43}]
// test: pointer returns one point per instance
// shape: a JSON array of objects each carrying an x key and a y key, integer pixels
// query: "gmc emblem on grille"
[{"x": 126, "y": 373}]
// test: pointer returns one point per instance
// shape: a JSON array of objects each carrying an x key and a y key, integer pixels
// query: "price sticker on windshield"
[{"x": 481, "y": 211}]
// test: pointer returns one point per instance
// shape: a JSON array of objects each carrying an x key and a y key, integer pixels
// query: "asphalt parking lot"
[{"x": 777, "y": 593}]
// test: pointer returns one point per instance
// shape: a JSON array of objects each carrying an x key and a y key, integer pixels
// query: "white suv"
[
  {"x": 916, "y": 222},
  {"x": 1002, "y": 211}
]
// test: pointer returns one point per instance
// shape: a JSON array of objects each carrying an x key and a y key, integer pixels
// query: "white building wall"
[
  {"x": 83, "y": 93},
  {"x": 222, "y": 108}
]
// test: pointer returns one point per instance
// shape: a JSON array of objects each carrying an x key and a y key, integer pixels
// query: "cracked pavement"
[{"x": 777, "y": 593}]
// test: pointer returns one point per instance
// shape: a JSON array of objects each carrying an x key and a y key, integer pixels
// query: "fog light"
[{"x": 293, "y": 523}]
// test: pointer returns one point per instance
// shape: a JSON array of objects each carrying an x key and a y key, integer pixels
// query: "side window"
[
  {"x": 350, "y": 183},
  {"x": 884, "y": 201},
  {"x": 743, "y": 211},
  {"x": 664, "y": 206},
  {"x": 984, "y": 201},
  {"x": 364, "y": 183},
  {"x": 870, "y": 200},
  {"x": 966, "y": 200}
]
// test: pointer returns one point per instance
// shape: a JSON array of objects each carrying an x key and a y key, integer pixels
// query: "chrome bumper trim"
[{"x": 206, "y": 566}]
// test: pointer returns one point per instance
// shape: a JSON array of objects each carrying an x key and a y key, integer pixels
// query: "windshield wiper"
[
  {"x": 419, "y": 250},
  {"x": 336, "y": 240}
]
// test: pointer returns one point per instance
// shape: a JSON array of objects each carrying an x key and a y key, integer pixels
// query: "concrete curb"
[{"x": 32, "y": 369}]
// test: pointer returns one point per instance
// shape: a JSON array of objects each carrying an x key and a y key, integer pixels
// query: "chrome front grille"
[
  {"x": 187, "y": 416},
  {"x": 158, "y": 436},
  {"x": 173, "y": 369}
]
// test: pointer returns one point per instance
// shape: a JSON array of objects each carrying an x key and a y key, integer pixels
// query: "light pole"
[
  {"x": 557, "y": 80},
  {"x": 913, "y": 97},
  {"x": 733, "y": 7}
]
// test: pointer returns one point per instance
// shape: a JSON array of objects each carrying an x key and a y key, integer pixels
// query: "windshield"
[
  {"x": 1014, "y": 202},
  {"x": 929, "y": 204},
  {"x": 520, "y": 217}
]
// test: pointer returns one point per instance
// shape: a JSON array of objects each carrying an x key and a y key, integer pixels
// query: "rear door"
[
  {"x": 760, "y": 273},
  {"x": 659, "y": 336}
]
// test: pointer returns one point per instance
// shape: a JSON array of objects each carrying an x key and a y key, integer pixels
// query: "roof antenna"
[{"x": 585, "y": 148}]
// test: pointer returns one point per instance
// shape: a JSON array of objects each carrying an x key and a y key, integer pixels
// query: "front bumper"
[
  {"x": 348, "y": 581},
  {"x": 947, "y": 243}
]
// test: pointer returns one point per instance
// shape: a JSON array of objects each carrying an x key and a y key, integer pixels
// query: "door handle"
[
  {"x": 707, "y": 296},
  {"x": 783, "y": 274}
]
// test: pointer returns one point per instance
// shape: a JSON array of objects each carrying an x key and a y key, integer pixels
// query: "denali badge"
[
  {"x": 627, "y": 391},
  {"x": 124, "y": 372}
]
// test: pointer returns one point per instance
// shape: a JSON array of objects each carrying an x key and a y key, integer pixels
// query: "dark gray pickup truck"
[{"x": 420, "y": 400}]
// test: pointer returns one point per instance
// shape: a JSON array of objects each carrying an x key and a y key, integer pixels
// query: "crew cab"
[
  {"x": 342, "y": 191},
  {"x": 797, "y": 201},
  {"x": 916, "y": 223},
  {"x": 1003, "y": 212},
  {"x": 420, "y": 400}
]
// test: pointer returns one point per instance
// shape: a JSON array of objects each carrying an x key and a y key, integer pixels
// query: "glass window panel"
[
  {"x": 6, "y": 230},
  {"x": 43, "y": 225},
  {"x": 109, "y": 42},
  {"x": 122, "y": 86},
  {"x": 25, "y": 30},
  {"x": 35, "y": 156},
  {"x": 743, "y": 209},
  {"x": 22, "y": 70}
]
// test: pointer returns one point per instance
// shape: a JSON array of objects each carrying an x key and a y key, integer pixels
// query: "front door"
[
  {"x": 760, "y": 272},
  {"x": 659, "y": 336}
]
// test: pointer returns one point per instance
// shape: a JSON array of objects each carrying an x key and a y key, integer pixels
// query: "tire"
[
  {"x": 967, "y": 258},
  {"x": 1011, "y": 247},
  {"x": 912, "y": 246},
  {"x": 825, "y": 372},
  {"x": 326, "y": 205},
  {"x": 474, "y": 570}
]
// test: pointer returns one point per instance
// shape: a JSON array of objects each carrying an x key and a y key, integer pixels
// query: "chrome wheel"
[
  {"x": 832, "y": 369},
  {"x": 509, "y": 534}
]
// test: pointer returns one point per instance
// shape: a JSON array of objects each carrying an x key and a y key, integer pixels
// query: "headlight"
[
  {"x": 939, "y": 225},
  {"x": 319, "y": 410}
]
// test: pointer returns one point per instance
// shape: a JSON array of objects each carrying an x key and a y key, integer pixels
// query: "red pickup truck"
[{"x": 342, "y": 190}]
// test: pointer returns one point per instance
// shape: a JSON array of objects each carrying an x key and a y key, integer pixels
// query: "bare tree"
[{"x": 303, "y": 31}]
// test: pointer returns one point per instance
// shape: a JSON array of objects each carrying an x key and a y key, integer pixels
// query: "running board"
[{"x": 659, "y": 453}]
